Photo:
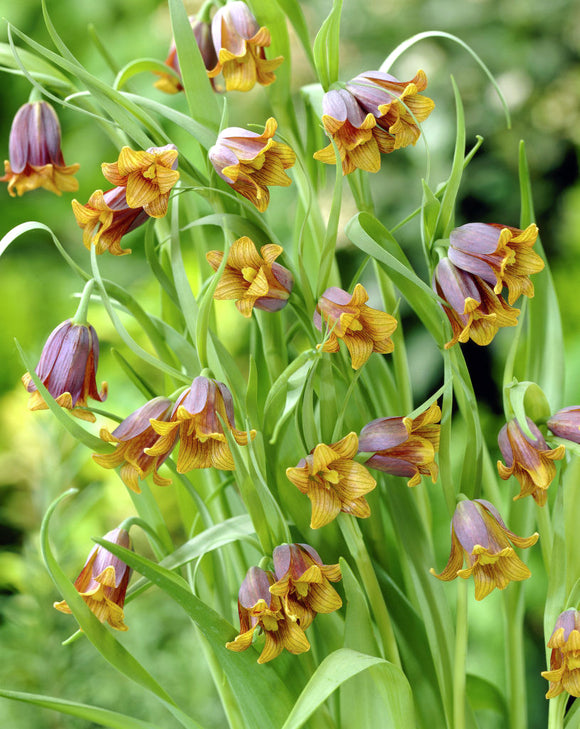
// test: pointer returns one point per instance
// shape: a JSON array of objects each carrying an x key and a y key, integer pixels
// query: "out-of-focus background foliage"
[{"x": 533, "y": 49}]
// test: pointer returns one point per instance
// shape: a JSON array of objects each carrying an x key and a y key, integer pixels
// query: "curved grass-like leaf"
[
  {"x": 36, "y": 66},
  {"x": 140, "y": 65},
  {"x": 446, "y": 217}
]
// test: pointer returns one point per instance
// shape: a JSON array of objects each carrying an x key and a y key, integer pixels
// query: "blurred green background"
[{"x": 532, "y": 47}]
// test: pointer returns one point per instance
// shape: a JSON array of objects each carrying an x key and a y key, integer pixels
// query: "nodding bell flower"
[
  {"x": 67, "y": 369},
  {"x": 258, "y": 608},
  {"x": 564, "y": 673},
  {"x": 404, "y": 446},
  {"x": 480, "y": 537},
  {"x": 35, "y": 155},
  {"x": 303, "y": 583},
  {"x": 239, "y": 43},
  {"x": 103, "y": 582},
  {"x": 566, "y": 423},
  {"x": 474, "y": 310},
  {"x": 132, "y": 437},
  {"x": 106, "y": 218},
  {"x": 194, "y": 420},
  {"x": 364, "y": 330},
  {"x": 333, "y": 481},
  {"x": 498, "y": 254},
  {"x": 253, "y": 279},
  {"x": 528, "y": 459},
  {"x": 148, "y": 177},
  {"x": 251, "y": 162}
]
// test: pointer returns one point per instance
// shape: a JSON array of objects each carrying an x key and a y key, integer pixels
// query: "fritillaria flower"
[
  {"x": 528, "y": 459},
  {"x": 253, "y": 279},
  {"x": 239, "y": 43},
  {"x": 258, "y": 608},
  {"x": 474, "y": 310},
  {"x": 566, "y": 423},
  {"x": 498, "y": 254},
  {"x": 251, "y": 162},
  {"x": 35, "y": 155},
  {"x": 303, "y": 582},
  {"x": 106, "y": 218},
  {"x": 333, "y": 481},
  {"x": 132, "y": 437},
  {"x": 480, "y": 537},
  {"x": 404, "y": 446},
  {"x": 147, "y": 176},
  {"x": 564, "y": 673},
  {"x": 103, "y": 582},
  {"x": 194, "y": 420},
  {"x": 67, "y": 368},
  {"x": 363, "y": 330}
]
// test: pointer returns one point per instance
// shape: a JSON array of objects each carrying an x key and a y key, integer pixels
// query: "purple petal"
[
  {"x": 157, "y": 409},
  {"x": 476, "y": 238},
  {"x": 256, "y": 586},
  {"x": 382, "y": 434}
]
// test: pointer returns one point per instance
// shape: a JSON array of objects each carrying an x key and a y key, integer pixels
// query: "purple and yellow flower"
[
  {"x": 251, "y": 162},
  {"x": 498, "y": 254},
  {"x": 363, "y": 330},
  {"x": 132, "y": 437},
  {"x": 404, "y": 446},
  {"x": 103, "y": 582},
  {"x": 480, "y": 537},
  {"x": 106, "y": 218},
  {"x": 35, "y": 155},
  {"x": 333, "y": 481},
  {"x": 566, "y": 423},
  {"x": 258, "y": 608},
  {"x": 564, "y": 673},
  {"x": 303, "y": 582},
  {"x": 67, "y": 369},
  {"x": 528, "y": 459},
  {"x": 239, "y": 43},
  {"x": 253, "y": 279},
  {"x": 148, "y": 177},
  {"x": 194, "y": 420},
  {"x": 474, "y": 310}
]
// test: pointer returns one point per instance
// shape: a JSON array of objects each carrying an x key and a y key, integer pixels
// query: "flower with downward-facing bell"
[{"x": 564, "y": 673}]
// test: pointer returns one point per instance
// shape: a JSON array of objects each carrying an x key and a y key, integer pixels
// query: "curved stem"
[{"x": 459, "y": 676}]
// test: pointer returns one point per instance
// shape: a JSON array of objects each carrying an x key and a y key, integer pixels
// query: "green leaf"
[
  {"x": 445, "y": 221},
  {"x": 431, "y": 209},
  {"x": 36, "y": 66},
  {"x": 528, "y": 401},
  {"x": 485, "y": 695},
  {"x": 326, "y": 47},
  {"x": 141, "y": 65}
]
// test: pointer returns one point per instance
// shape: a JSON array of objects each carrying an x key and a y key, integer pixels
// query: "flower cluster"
[{"x": 564, "y": 673}]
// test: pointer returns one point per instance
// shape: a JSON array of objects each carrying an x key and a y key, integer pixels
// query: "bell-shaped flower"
[
  {"x": 253, "y": 279},
  {"x": 528, "y": 459},
  {"x": 67, "y": 369},
  {"x": 404, "y": 446},
  {"x": 132, "y": 437},
  {"x": 195, "y": 420},
  {"x": 363, "y": 330},
  {"x": 480, "y": 537},
  {"x": 303, "y": 582},
  {"x": 239, "y": 43},
  {"x": 564, "y": 673},
  {"x": 35, "y": 155},
  {"x": 103, "y": 582},
  {"x": 148, "y": 177},
  {"x": 333, "y": 481},
  {"x": 566, "y": 423},
  {"x": 250, "y": 162},
  {"x": 498, "y": 254},
  {"x": 258, "y": 608}
]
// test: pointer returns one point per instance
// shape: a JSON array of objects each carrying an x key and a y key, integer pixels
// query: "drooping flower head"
[
  {"x": 67, "y": 369},
  {"x": 498, "y": 254},
  {"x": 251, "y": 162},
  {"x": 480, "y": 537},
  {"x": 333, "y": 481},
  {"x": 194, "y": 420},
  {"x": 363, "y": 330},
  {"x": 528, "y": 459},
  {"x": 303, "y": 582},
  {"x": 474, "y": 310},
  {"x": 35, "y": 155},
  {"x": 564, "y": 673},
  {"x": 404, "y": 446},
  {"x": 133, "y": 436},
  {"x": 106, "y": 218},
  {"x": 148, "y": 177},
  {"x": 259, "y": 608},
  {"x": 103, "y": 582},
  {"x": 253, "y": 279},
  {"x": 566, "y": 423},
  {"x": 239, "y": 43}
]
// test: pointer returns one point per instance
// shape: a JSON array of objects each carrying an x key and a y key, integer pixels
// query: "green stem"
[
  {"x": 459, "y": 675},
  {"x": 516, "y": 684},
  {"x": 147, "y": 528},
  {"x": 546, "y": 535},
  {"x": 556, "y": 711},
  {"x": 80, "y": 317}
]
